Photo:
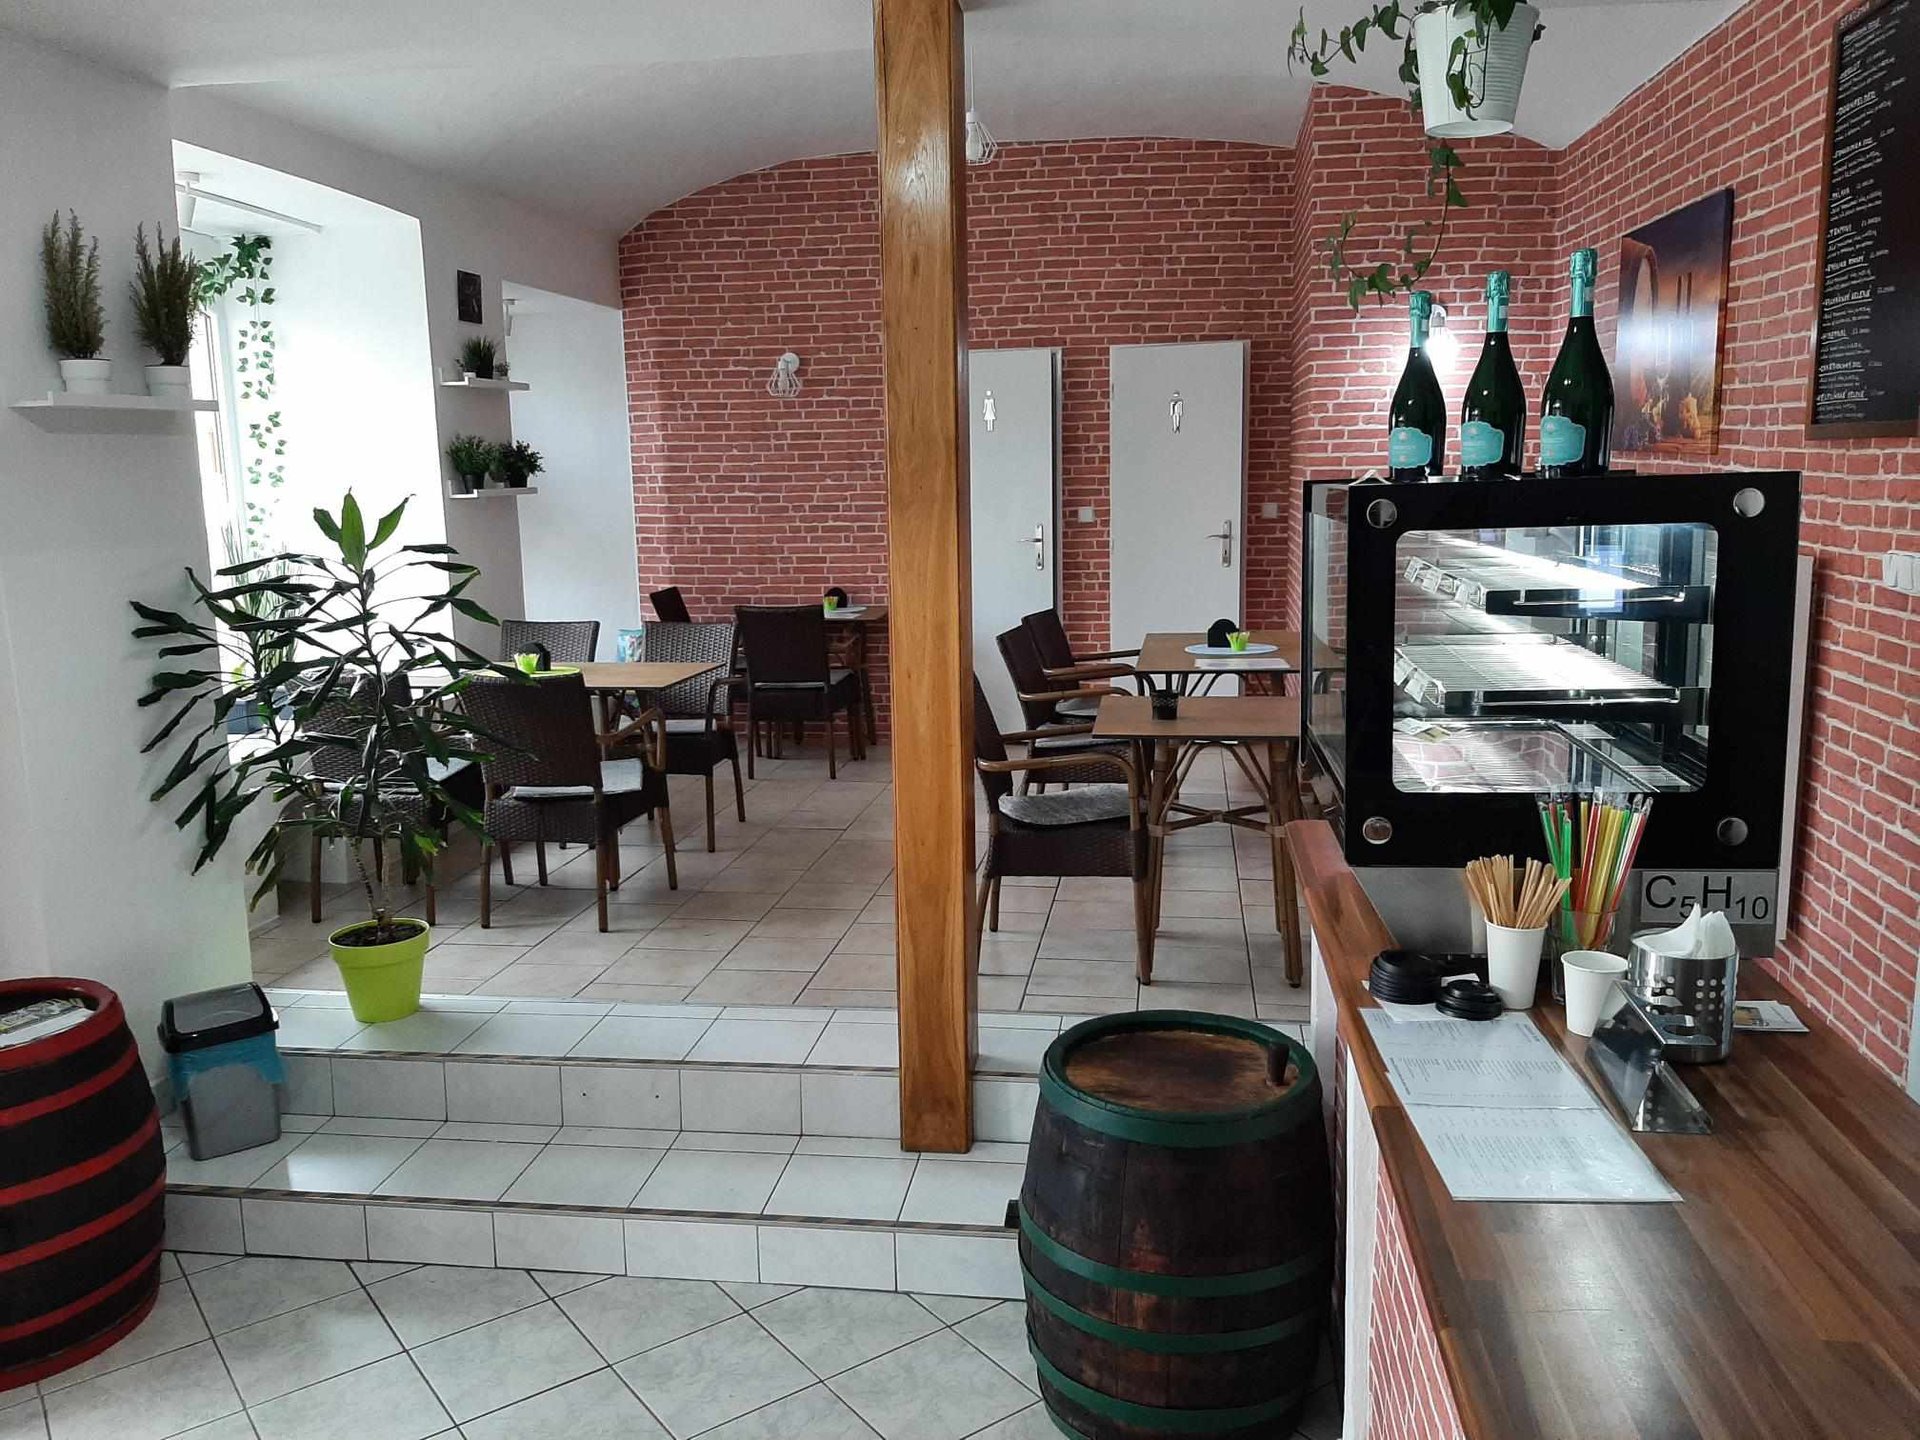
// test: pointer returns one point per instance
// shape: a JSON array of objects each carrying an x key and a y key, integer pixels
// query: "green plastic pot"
[{"x": 383, "y": 981}]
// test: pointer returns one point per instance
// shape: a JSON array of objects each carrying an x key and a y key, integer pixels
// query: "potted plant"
[
  {"x": 76, "y": 323},
  {"x": 357, "y": 684},
  {"x": 1463, "y": 62},
  {"x": 472, "y": 458},
  {"x": 516, "y": 464},
  {"x": 166, "y": 296},
  {"x": 478, "y": 357}
]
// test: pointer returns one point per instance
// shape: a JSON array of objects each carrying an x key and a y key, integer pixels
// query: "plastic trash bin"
[{"x": 226, "y": 1068}]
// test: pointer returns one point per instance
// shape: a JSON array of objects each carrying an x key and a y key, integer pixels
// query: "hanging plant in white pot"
[{"x": 1463, "y": 63}]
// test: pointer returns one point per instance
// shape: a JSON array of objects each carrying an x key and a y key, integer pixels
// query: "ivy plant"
[
  {"x": 245, "y": 272},
  {"x": 1392, "y": 22}
]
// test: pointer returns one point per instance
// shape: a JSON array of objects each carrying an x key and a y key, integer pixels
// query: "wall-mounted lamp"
[{"x": 784, "y": 383}]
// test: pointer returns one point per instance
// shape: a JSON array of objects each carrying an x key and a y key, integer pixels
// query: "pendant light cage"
[
  {"x": 981, "y": 146},
  {"x": 784, "y": 383}
]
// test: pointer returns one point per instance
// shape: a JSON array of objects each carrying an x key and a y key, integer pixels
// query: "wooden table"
[
  {"x": 608, "y": 679},
  {"x": 1775, "y": 1302},
  {"x": 1241, "y": 726},
  {"x": 1164, "y": 654},
  {"x": 870, "y": 615}
]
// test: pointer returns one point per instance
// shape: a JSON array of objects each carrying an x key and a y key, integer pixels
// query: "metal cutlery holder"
[{"x": 1691, "y": 998}]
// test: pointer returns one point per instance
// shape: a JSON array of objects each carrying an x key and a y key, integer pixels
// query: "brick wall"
[
  {"x": 1409, "y": 1393},
  {"x": 740, "y": 497},
  {"x": 1746, "y": 108}
]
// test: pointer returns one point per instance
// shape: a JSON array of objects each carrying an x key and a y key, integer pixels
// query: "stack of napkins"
[{"x": 1703, "y": 935}]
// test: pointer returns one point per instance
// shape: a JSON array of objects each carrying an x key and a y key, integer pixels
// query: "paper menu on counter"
[
  {"x": 1566, "y": 1155},
  {"x": 1503, "y": 1064}
]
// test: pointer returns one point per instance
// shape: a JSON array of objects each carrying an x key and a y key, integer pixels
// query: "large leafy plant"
[
  {"x": 70, "y": 272},
  {"x": 1392, "y": 22},
  {"x": 352, "y": 671}
]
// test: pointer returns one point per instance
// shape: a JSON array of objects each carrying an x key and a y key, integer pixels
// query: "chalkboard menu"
[{"x": 1866, "y": 378}]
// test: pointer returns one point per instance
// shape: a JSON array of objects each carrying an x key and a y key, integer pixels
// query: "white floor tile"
[
  {"x": 437, "y": 1300},
  {"x": 429, "y": 1236},
  {"x": 527, "y": 1034},
  {"x": 842, "y": 1187},
  {"x": 640, "y": 1038},
  {"x": 594, "y": 1407},
  {"x": 714, "y": 1375},
  {"x": 814, "y": 1414},
  {"x": 284, "y": 1354},
  {"x": 692, "y": 1250},
  {"x": 385, "y": 1401},
  {"x": 762, "y": 1102},
  {"x": 623, "y": 1316},
  {"x": 962, "y": 1192},
  {"x": 592, "y": 1244},
  {"x": 149, "y": 1400},
  {"x": 479, "y": 1370},
  {"x": 762, "y": 1042},
  {"x": 938, "y": 1388},
  {"x": 257, "y": 1288},
  {"x": 853, "y": 1043},
  {"x": 459, "y": 1170},
  {"x": 503, "y": 1094},
  {"x": 713, "y": 1181},
  {"x": 173, "y": 1324},
  {"x": 584, "y": 1175},
  {"x": 316, "y": 1229},
  {"x": 1000, "y": 1333},
  {"x": 861, "y": 1259},
  {"x": 339, "y": 1164},
  {"x": 835, "y": 1330}
]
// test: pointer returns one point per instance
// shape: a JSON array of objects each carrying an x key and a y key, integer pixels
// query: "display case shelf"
[
  {"x": 1521, "y": 672},
  {"x": 74, "y": 414},
  {"x": 1497, "y": 581}
]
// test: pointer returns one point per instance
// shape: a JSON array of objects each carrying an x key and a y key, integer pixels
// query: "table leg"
[
  {"x": 1283, "y": 805},
  {"x": 1164, "y": 755}
]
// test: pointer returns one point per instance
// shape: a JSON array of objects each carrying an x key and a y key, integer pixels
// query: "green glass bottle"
[
  {"x": 1576, "y": 412},
  {"x": 1417, "y": 443},
  {"x": 1493, "y": 417}
]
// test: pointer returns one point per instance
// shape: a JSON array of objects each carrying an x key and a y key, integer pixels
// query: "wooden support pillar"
[{"x": 919, "y": 64}]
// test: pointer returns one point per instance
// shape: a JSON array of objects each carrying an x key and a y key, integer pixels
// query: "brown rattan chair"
[
  {"x": 1040, "y": 835},
  {"x": 670, "y": 605},
  {"x": 551, "y": 776},
  {"x": 1043, "y": 700},
  {"x": 700, "y": 734},
  {"x": 789, "y": 677},
  {"x": 567, "y": 642},
  {"x": 1057, "y": 656}
]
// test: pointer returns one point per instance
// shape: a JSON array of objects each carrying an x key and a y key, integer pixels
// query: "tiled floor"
[
  {"x": 795, "y": 907},
  {"x": 264, "y": 1349}
]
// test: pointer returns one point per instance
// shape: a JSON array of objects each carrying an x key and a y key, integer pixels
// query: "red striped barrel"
[{"x": 83, "y": 1185}]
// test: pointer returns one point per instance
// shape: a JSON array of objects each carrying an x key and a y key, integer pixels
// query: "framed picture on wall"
[
  {"x": 466, "y": 290},
  {"x": 1673, "y": 309}
]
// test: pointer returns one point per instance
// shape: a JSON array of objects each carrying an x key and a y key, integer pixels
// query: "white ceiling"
[{"x": 608, "y": 109}]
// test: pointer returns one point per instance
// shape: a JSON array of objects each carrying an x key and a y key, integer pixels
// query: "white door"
[
  {"x": 1178, "y": 471},
  {"x": 1013, "y": 449}
]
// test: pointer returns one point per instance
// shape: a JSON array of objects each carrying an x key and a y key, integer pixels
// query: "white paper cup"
[
  {"x": 1513, "y": 963},
  {"x": 1593, "y": 989}
]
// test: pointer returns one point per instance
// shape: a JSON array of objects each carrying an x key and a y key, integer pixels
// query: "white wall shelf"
[
  {"x": 503, "y": 492},
  {"x": 73, "y": 414},
  {"x": 474, "y": 382}
]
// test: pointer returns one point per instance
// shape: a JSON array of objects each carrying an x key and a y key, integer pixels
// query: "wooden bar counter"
[{"x": 1780, "y": 1301}]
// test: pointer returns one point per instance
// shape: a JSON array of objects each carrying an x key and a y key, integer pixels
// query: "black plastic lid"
[
  {"x": 1465, "y": 999},
  {"x": 215, "y": 1017}
]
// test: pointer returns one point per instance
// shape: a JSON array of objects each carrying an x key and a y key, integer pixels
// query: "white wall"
[
  {"x": 94, "y": 878},
  {"x": 577, "y": 557},
  {"x": 461, "y": 228}
]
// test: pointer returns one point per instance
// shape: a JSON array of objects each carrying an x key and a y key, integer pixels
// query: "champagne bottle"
[
  {"x": 1493, "y": 418},
  {"x": 1576, "y": 412},
  {"x": 1417, "y": 443}
]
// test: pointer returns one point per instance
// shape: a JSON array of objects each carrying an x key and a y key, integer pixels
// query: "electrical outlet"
[
  {"x": 1085, "y": 515},
  {"x": 1270, "y": 510}
]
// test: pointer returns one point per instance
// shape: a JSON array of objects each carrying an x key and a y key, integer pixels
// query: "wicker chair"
[
  {"x": 700, "y": 734},
  {"x": 790, "y": 679},
  {"x": 1057, "y": 657},
  {"x": 1024, "y": 838},
  {"x": 670, "y": 605},
  {"x": 553, "y": 777},
  {"x": 1045, "y": 701},
  {"x": 335, "y": 765},
  {"x": 567, "y": 642}
]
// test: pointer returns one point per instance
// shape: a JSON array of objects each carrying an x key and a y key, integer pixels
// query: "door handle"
[
  {"x": 1225, "y": 537},
  {"x": 1039, "y": 543}
]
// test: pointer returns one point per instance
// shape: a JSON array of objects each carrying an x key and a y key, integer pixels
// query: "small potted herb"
[
  {"x": 76, "y": 323},
  {"x": 516, "y": 464},
  {"x": 478, "y": 356},
  {"x": 165, "y": 290},
  {"x": 472, "y": 457}
]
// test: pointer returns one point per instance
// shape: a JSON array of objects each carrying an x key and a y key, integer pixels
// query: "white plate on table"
[{"x": 1227, "y": 652}]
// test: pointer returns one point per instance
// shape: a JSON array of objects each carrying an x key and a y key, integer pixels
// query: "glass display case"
[{"x": 1475, "y": 645}]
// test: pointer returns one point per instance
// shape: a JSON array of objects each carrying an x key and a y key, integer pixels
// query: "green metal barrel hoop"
[
  {"x": 1182, "y": 1287},
  {"x": 1159, "y": 1417},
  {"x": 1161, "y": 1342}
]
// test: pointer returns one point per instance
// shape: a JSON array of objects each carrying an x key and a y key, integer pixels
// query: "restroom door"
[
  {"x": 1013, "y": 405},
  {"x": 1178, "y": 474}
]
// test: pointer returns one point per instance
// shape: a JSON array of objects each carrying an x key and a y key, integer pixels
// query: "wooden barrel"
[
  {"x": 1176, "y": 1228},
  {"x": 82, "y": 1187}
]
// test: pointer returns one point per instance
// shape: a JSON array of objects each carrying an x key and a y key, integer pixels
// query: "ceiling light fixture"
[
  {"x": 784, "y": 383},
  {"x": 188, "y": 195},
  {"x": 981, "y": 146}
]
